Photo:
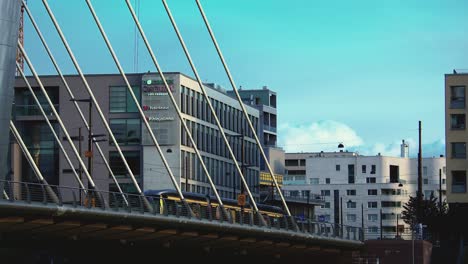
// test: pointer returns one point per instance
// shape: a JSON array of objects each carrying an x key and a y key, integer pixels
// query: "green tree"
[{"x": 429, "y": 208}]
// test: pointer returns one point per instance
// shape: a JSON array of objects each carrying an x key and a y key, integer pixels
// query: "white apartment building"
[{"x": 376, "y": 187}]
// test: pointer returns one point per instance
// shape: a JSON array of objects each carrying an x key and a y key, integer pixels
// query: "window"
[
  {"x": 373, "y": 229},
  {"x": 394, "y": 174},
  {"x": 373, "y": 169},
  {"x": 326, "y": 218},
  {"x": 325, "y": 192},
  {"x": 351, "y": 204},
  {"x": 364, "y": 168},
  {"x": 458, "y": 181},
  {"x": 370, "y": 180},
  {"x": 291, "y": 162},
  {"x": 118, "y": 167},
  {"x": 325, "y": 205},
  {"x": 351, "y": 192},
  {"x": 457, "y": 121},
  {"x": 351, "y": 217},
  {"x": 314, "y": 180},
  {"x": 372, "y": 192},
  {"x": 425, "y": 181},
  {"x": 425, "y": 171},
  {"x": 458, "y": 150},
  {"x": 337, "y": 167},
  {"x": 327, "y": 180},
  {"x": 126, "y": 131},
  {"x": 390, "y": 204},
  {"x": 372, "y": 204},
  {"x": 302, "y": 162},
  {"x": 372, "y": 217},
  {"x": 121, "y": 101},
  {"x": 443, "y": 181},
  {"x": 351, "y": 173},
  {"x": 457, "y": 98}
]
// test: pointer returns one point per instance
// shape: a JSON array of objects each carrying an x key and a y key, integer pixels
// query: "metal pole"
[
  {"x": 419, "y": 194},
  {"x": 341, "y": 215},
  {"x": 381, "y": 230},
  {"x": 440, "y": 191},
  {"x": 75, "y": 103},
  {"x": 52, "y": 130},
  {"x": 205, "y": 94},
  {"x": 30, "y": 159},
  {"x": 239, "y": 99},
  {"x": 90, "y": 140},
  {"x": 397, "y": 234},
  {"x": 362, "y": 221},
  {"x": 79, "y": 164}
]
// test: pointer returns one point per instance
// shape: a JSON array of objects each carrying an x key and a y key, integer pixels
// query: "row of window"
[
  {"x": 210, "y": 140},
  {"x": 352, "y": 205},
  {"x": 295, "y": 162},
  {"x": 363, "y": 168},
  {"x": 193, "y": 103},
  {"x": 222, "y": 173}
]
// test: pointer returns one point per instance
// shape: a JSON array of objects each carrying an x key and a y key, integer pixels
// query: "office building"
[
  {"x": 265, "y": 101},
  {"x": 133, "y": 137}
]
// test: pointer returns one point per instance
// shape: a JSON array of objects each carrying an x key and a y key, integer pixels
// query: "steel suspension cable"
[
  {"x": 95, "y": 102},
  {"x": 56, "y": 114},
  {"x": 36, "y": 100},
  {"x": 231, "y": 80},
  {"x": 221, "y": 129},
  {"x": 180, "y": 115},
  {"x": 67, "y": 87},
  {"x": 140, "y": 110}
]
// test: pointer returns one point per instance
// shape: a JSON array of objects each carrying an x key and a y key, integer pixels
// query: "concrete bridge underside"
[{"x": 96, "y": 236}]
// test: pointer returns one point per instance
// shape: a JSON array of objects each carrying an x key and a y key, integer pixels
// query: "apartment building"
[{"x": 367, "y": 190}]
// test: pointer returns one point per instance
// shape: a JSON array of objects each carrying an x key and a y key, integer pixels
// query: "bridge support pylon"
[{"x": 9, "y": 28}]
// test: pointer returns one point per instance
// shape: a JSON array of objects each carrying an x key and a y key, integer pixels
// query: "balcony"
[
  {"x": 33, "y": 110},
  {"x": 269, "y": 128}
]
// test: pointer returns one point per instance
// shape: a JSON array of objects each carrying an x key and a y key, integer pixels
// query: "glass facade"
[{"x": 121, "y": 100}]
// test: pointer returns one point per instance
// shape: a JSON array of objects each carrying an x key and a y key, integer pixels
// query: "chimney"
[
  {"x": 404, "y": 149},
  {"x": 265, "y": 87}
]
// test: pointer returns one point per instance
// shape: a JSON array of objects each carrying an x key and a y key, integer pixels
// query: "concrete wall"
[{"x": 9, "y": 26}]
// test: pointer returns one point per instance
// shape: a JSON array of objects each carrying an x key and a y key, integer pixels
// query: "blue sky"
[{"x": 360, "y": 72}]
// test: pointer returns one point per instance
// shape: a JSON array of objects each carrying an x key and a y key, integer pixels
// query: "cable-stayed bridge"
[{"x": 44, "y": 214}]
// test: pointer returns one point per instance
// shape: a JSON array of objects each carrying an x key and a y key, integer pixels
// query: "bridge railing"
[{"x": 35, "y": 193}]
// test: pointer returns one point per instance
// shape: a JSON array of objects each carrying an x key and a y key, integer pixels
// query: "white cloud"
[
  {"x": 322, "y": 135},
  {"x": 325, "y": 135}
]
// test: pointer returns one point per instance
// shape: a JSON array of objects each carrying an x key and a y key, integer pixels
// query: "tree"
[{"x": 429, "y": 209}]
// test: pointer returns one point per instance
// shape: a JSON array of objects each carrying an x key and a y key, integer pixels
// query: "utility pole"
[
  {"x": 186, "y": 174},
  {"x": 79, "y": 163},
  {"x": 89, "y": 154},
  {"x": 341, "y": 215},
  {"x": 362, "y": 221},
  {"x": 381, "y": 231},
  {"x": 242, "y": 159},
  {"x": 419, "y": 193},
  {"x": 440, "y": 191}
]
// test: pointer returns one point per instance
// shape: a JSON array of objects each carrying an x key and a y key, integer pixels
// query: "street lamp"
[{"x": 88, "y": 153}]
